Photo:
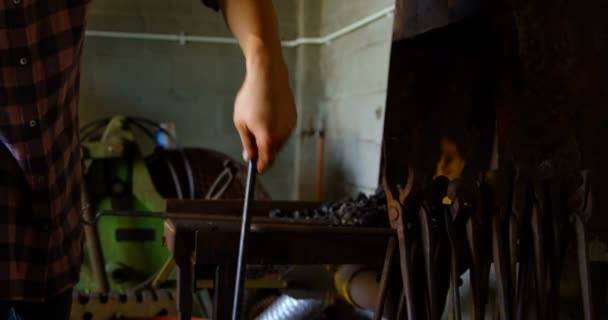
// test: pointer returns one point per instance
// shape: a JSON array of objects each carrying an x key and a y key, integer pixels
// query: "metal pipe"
[
  {"x": 183, "y": 38},
  {"x": 246, "y": 224},
  {"x": 320, "y": 163},
  {"x": 358, "y": 285},
  {"x": 288, "y": 308},
  {"x": 386, "y": 270},
  {"x": 583, "y": 266},
  {"x": 93, "y": 245},
  {"x": 454, "y": 274}
]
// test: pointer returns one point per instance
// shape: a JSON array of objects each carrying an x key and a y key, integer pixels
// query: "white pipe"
[
  {"x": 386, "y": 12},
  {"x": 182, "y": 38}
]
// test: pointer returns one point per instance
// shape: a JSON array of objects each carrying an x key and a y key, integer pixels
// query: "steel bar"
[
  {"x": 502, "y": 274},
  {"x": 557, "y": 220},
  {"x": 223, "y": 293},
  {"x": 406, "y": 272},
  {"x": 525, "y": 252},
  {"x": 476, "y": 232},
  {"x": 427, "y": 247},
  {"x": 94, "y": 246},
  {"x": 455, "y": 275},
  {"x": 386, "y": 270},
  {"x": 185, "y": 290},
  {"x": 278, "y": 243},
  {"x": 539, "y": 257},
  {"x": 245, "y": 225},
  {"x": 523, "y": 285},
  {"x": 583, "y": 265}
]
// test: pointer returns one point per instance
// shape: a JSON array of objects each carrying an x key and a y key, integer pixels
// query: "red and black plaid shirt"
[{"x": 40, "y": 211}]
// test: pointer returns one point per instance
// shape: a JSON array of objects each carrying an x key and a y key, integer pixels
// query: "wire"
[
  {"x": 214, "y": 194},
  {"x": 179, "y": 148},
  {"x": 139, "y": 122},
  {"x": 98, "y": 124},
  {"x": 178, "y": 186},
  {"x": 86, "y": 135},
  {"x": 86, "y": 132},
  {"x": 94, "y": 122},
  {"x": 172, "y": 171}
]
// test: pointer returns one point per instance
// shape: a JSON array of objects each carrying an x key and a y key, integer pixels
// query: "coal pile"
[{"x": 363, "y": 210}]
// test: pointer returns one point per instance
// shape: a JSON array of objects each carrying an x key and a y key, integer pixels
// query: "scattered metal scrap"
[{"x": 362, "y": 210}]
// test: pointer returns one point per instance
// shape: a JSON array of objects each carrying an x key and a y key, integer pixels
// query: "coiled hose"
[{"x": 288, "y": 308}]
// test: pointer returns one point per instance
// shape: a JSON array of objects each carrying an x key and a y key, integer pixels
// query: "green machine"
[
  {"x": 125, "y": 265},
  {"x": 125, "y": 253},
  {"x": 117, "y": 178}
]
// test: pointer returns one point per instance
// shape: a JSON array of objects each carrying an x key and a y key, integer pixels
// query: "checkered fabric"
[{"x": 40, "y": 211}]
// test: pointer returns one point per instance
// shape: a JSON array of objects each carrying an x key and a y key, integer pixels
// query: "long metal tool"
[{"x": 241, "y": 263}]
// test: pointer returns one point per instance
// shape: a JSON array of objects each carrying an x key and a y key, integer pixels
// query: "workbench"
[{"x": 207, "y": 233}]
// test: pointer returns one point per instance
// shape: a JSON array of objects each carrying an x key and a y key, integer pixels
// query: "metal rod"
[
  {"x": 94, "y": 246},
  {"x": 406, "y": 272},
  {"x": 583, "y": 266},
  {"x": 240, "y": 269},
  {"x": 320, "y": 164},
  {"x": 455, "y": 276},
  {"x": 428, "y": 246},
  {"x": 386, "y": 270}
]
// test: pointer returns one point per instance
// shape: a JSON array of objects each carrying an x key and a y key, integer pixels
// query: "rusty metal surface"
[
  {"x": 521, "y": 84},
  {"x": 413, "y": 17},
  {"x": 384, "y": 279},
  {"x": 535, "y": 68},
  {"x": 553, "y": 86},
  {"x": 213, "y": 240},
  {"x": 272, "y": 243},
  {"x": 441, "y": 87}
]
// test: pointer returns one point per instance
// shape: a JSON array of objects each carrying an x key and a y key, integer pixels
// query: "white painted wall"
[{"x": 343, "y": 85}]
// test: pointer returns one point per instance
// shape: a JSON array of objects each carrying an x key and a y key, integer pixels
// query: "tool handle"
[{"x": 245, "y": 225}]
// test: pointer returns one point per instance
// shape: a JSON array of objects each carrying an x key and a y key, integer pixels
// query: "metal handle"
[{"x": 240, "y": 269}]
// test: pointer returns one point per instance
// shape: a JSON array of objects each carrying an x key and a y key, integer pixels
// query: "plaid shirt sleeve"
[{"x": 40, "y": 178}]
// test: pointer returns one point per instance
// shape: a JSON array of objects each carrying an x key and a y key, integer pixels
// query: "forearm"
[
  {"x": 264, "y": 109},
  {"x": 254, "y": 25}
]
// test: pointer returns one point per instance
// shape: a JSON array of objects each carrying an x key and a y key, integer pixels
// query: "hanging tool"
[
  {"x": 458, "y": 208},
  {"x": 557, "y": 238},
  {"x": 246, "y": 222},
  {"x": 578, "y": 218},
  {"x": 479, "y": 239},
  {"x": 521, "y": 261},
  {"x": 537, "y": 222},
  {"x": 428, "y": 250},
  {"x": 402, "y": 223},
  {"x": 454, "y": 272},
  {"x": 430, "y": 216},
  {"x": 502, "y": 182}
]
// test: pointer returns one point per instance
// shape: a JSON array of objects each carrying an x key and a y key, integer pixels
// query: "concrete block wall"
[
  {"x": 343, "y": 86},
  {"x": 192, "y": 85}
]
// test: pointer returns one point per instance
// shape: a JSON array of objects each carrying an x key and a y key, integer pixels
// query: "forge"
[{"x": 489, "y": 200}]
